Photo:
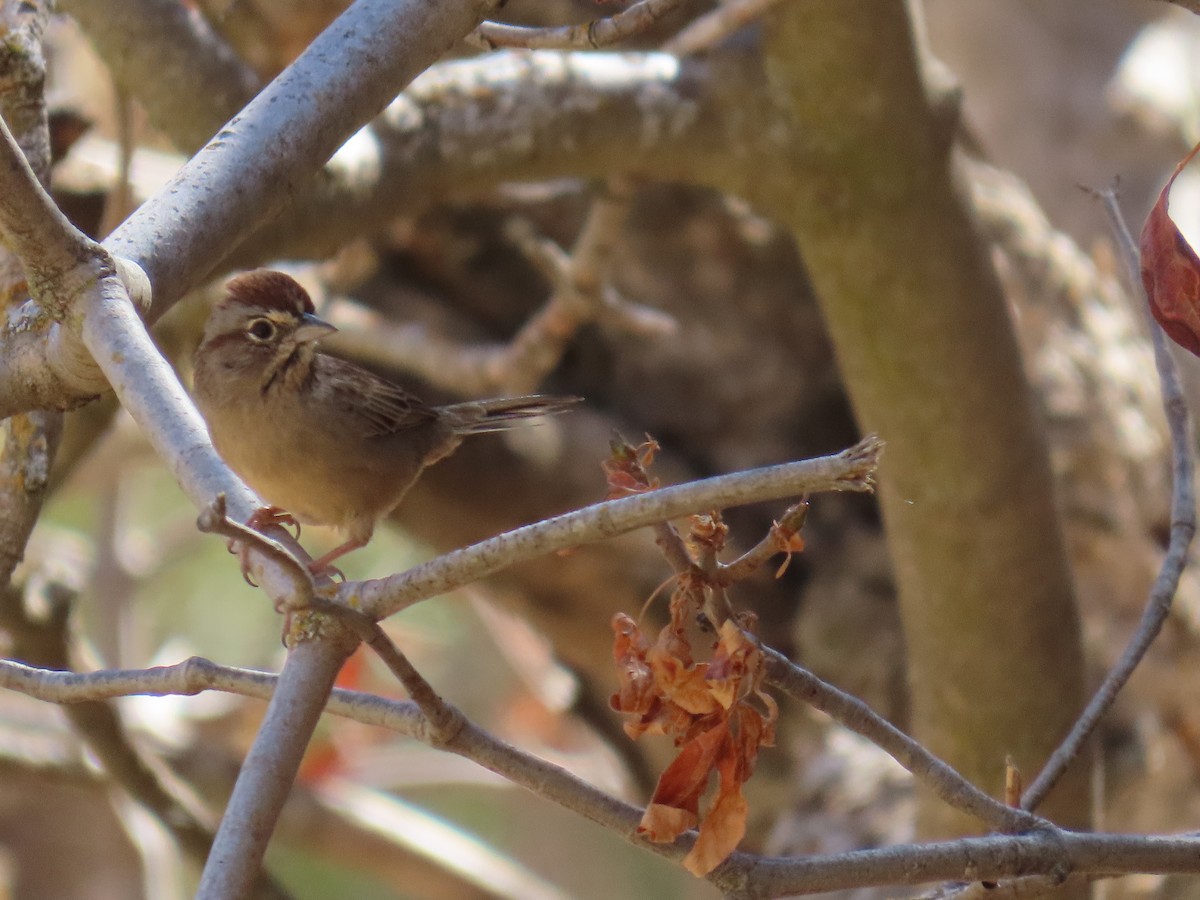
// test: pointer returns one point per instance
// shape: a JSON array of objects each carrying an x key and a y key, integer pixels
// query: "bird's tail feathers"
[{"x": 501, "y": 414}]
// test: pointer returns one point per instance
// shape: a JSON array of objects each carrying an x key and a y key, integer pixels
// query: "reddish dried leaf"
[
  {"x": 322, "y": 760},
  {"x": 751, "y": 731},
  {"x": 662, "y": 824},
  {"x": 792, "y": 543},
  {"x": 1171, "y": 271},
  {"x": 625, "y": 469},
  {"x": 735, "y": 666},
  {"x": 682, "y": 784},
  {"x": 622, "y": 484},
  {"x": 724, "y": 824},
  {"x": 641, "y": 694},
  {"x": 708, "y": 531},
  {"x": 712, "y": 711},
  {"x": 352, "y": 671},
  {"x": 636, "y": 691},
  {"x": 673, "y": 639},
  {"x": 684, "y": 685}
]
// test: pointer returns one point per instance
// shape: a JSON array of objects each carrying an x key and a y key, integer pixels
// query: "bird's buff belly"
[{"x": 311, "y": 494}]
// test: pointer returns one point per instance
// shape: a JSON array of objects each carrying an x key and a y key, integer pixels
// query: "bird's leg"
[{"x": 324, "y": 566}]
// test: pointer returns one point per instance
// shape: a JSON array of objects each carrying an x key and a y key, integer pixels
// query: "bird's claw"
[
  {"x": 266, "y": 516},
  {"x": 327, "y": 569}
]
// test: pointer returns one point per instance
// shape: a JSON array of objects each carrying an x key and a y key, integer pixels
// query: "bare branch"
[
  {"x": 850, "y": 470},
  {"x": 855, "y": 715},
  {"x": 49, "y": 246},
  {"x": 43, "y": 641},
  {"x": 23, "y": 79},
  {"x": 27, "y": 442},
  {"x": 1054, "y": 853},
  {"x": 774, "y": 543},
  {"x": 270, "y": 767},
  {"x": 590, "y": 35},
  {"x": 213, "y": 520},
  {"x": 580, "y": 294},
  {"x": 443, "y": 721},
  {"x": 1183, "y": 529},
  {"x": 1047, "y": 851},
  {"x": 541, "y": 115},
  {"x": 253, "y": 166},
  {"x": 712, "y": 28}
]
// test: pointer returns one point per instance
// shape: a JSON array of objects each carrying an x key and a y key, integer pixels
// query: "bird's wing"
[{"x": 374, "y": 404}]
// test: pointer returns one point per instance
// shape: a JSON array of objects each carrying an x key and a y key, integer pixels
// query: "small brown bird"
[{"x": 319, "y": 437}]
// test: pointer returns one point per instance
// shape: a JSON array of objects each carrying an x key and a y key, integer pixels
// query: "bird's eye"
[{"x": 261, "y": 330}]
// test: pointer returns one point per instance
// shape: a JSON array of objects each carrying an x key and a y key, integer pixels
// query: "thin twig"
[
  {"x": 580, "y": 294},
  {"x": 588, "y": 36},
  {"x": 42, "y": 641},
  {"x": 1052, "y": 852},
  {"x": 1183, "y": 528},
  {"x": 855, "y": 715},
  {"x": 444, "y": 721},
  {"x": 845, "y": 709},
  {"x": 706, "y": 539},
  {"x": 850, "y": 470},
  {"x": 775, "y": 542},
  {"x": 712, "y": 28},
  {"x": 213, "y": 520}
]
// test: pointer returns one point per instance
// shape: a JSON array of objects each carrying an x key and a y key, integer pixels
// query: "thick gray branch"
[
  {"x": 507, "y": 116},
  {"x": 249, "y": 171},
  {"x": 270, "y": 768},
  {"x": 466, "y": 125},
  {"x": 268, "y": 151}
]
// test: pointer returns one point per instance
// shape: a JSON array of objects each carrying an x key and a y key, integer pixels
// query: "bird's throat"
[{"x": 291, "y": 370}]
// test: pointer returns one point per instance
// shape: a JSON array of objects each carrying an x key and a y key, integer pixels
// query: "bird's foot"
[
  {"x": 263, "y": 517},
  {"x": 266, "y": 516},
  {"x": 318, "y": 569}
]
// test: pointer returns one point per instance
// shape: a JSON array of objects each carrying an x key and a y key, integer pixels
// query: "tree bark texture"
[{"x": 928, "y": 353}]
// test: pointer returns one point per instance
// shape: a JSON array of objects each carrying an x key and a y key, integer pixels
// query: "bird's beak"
[{"x": 312, "y": 328}]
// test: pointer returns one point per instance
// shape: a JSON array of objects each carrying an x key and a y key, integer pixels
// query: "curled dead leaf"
[
  {"x": 714, "y": 711},
  {"x": 1171, "y": 271}
]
